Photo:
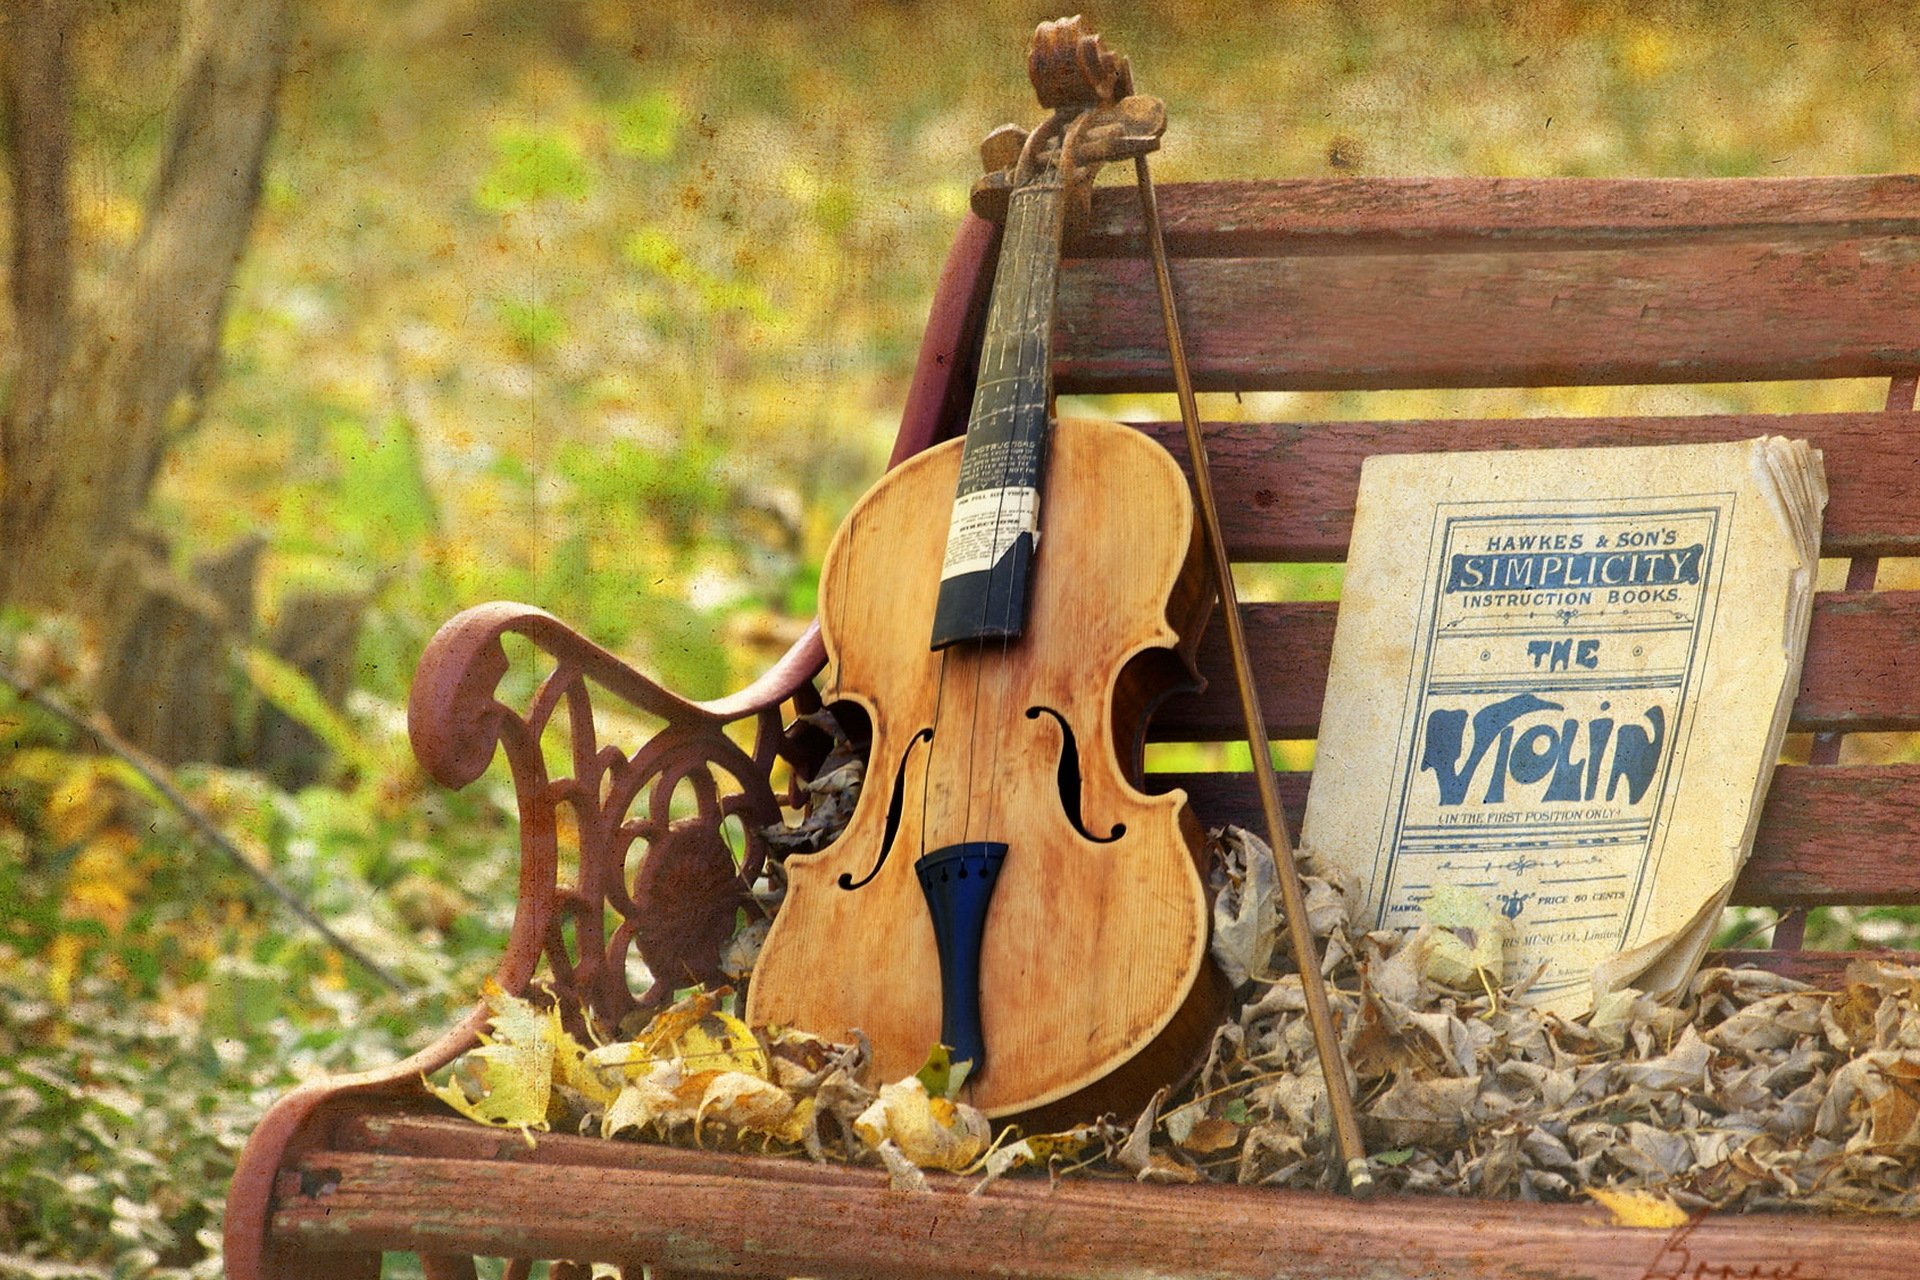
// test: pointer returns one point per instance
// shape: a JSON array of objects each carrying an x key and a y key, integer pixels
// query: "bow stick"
[{"x": 1333, "y": 1067}]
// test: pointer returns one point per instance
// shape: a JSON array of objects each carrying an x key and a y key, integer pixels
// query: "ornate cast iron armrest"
[
  {"x": 666, "y": 871},
  {"x": 455, "y": 722}
]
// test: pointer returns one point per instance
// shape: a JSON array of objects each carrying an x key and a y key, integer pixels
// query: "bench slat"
[
  {"x": 1711, "y": 311},
  {"x": 1829, "y": 835},
  {"x": 1286, "y": 489},
  {"x": 713, "y": 1214},
  {"x": 1857, "y": 676},
  {"x": 1346, "y": 215},
  {"x": 1825, "y": 969}
]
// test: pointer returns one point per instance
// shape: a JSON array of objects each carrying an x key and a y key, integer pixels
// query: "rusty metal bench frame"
[{"x": 1325, "y": 284}]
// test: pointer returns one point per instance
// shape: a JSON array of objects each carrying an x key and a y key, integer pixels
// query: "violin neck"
[{"x": 995, "y": 523}]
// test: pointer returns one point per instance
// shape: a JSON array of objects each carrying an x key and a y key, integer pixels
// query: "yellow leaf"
[
  {"x": 80, "y": 796},
  {"x": 721, "y": 1042},
  {"x": 513, "y": 1086},
  {"x": 512, "y": 1073},
  {"x": 102, "y": 879},
  {"x": 1632, "y": 1208},
  {"x": 1040, "y": 1148},
  {"x": 572, "y": 1068},
  {"x": 933, "y": 1133},
  {"x": 938, "y": 1072},
  {"x": 694, "y": 1032},
  {"x": 744, "y": 1102},
  {"x": 1470, "y": 940},
  {"x": 63, "y": 963},
  {"x": 1647, "y": 53}
]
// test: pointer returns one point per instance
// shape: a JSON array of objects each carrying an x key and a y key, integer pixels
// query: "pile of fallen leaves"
[
  {"x": 699, "y": 1075},
  {"x": 1755, "y": 1092}
]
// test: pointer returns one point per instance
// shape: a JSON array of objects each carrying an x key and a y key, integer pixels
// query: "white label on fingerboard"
[{"x": 985, "y": 524}]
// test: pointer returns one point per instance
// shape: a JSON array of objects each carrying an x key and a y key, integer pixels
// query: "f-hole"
[
  {"x": 846, "y": 880},
  {"x": 1070, "y": 778}
]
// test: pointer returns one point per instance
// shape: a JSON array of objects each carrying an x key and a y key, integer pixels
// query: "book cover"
[{"x": 1559, "y": 681}]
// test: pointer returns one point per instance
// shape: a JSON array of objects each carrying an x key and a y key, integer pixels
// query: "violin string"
[
  {"x": 1035, "y": 314},
  {"x": 926, "y": 762},
  {"x": 1016, "y": 237}
]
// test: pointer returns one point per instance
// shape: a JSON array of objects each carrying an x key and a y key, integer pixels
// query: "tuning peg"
[
  {"x": 990, "y": 195},
  {"x": 1128, "y": 128},
  {"x": 1001, "y": 148}
]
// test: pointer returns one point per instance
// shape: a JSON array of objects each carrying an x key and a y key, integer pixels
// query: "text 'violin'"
[{"x": 1004, "y": 886}]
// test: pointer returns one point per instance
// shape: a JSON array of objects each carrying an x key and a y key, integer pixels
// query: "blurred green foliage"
[{"x": 611, "y": 309}]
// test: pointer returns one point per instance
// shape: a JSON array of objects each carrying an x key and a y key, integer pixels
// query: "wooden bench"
[{"x": 1344, "y": 283}]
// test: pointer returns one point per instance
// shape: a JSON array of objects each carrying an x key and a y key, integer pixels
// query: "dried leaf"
[
  {"x": 1424, "y": 1113},
  {"x": 1894, "y": 1117},
  {"x": 1164, "y": 1168},
  {"x": 1210, "y": 1134},
  {"x": 932, "y": 1133},
  {"x": 1136, "y": 1154},
  {"x": 1246, "y": 915},
  {"x": 513, "y": 1072},
  {"x": 1468, "y": 947},
  {"x": 750, "y": 1103},
  {"x": 1757, "y": 1093},
  {"x": 902, "y": 1173}
]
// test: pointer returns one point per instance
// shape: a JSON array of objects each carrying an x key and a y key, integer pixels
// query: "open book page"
[{"x": 1560, "y": 681}]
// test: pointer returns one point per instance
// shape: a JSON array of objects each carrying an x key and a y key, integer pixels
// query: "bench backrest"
[{"x": 1370, "y": 284}]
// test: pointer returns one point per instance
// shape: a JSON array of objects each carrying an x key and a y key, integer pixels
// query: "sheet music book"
[{"x": 1560, "y": 681}]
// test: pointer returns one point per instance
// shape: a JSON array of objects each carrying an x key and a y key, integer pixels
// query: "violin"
[{"x": 1004, "y": 886}]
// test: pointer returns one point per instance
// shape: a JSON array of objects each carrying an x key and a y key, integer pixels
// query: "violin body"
[
  {"x": 1004, "y": 887},
  {"x": 1094, "y": 984}
]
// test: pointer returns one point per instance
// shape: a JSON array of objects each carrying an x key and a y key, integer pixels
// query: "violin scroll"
[
  {"x": 1072, "y": 69},
  {"x": 1097, "y": 119}
]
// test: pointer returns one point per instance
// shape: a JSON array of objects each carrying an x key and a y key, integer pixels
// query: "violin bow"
[{"x": 1333, "y": 1067}]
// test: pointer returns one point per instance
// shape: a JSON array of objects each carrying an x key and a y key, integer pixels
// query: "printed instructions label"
[{"x": 985, "y": 524}]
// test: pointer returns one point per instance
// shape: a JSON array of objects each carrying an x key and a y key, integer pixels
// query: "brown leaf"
[
  {"x": 1894, "y": 1116},
  {"x": 1210, "y": 1134},
  {"x": 1424, "y": 1113}
]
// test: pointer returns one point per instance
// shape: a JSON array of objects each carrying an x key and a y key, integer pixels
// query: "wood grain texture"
[
  {"x": 1829, "y": 835},
  {"x": 1857, "y": 677},
  {"x": 1083, "y": 966},
  {"x": 1287, "y": 489},
  {"x": 714, "y": 1214},
  {"x": 1715, "y": 310},
  {"x": 1383, "y": 215}
]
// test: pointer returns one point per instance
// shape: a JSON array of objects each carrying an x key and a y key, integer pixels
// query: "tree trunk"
[
  {"x": 168, "y": 684},
  {"x": 33, "y": 92},
  {"x": 99, "y": 397}
]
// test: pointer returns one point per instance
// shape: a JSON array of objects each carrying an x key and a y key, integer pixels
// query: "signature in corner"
[{"x": 1675, "y": 1261}]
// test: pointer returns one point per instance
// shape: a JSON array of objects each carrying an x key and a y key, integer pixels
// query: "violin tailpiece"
[{"x": 958, "y": 883}]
